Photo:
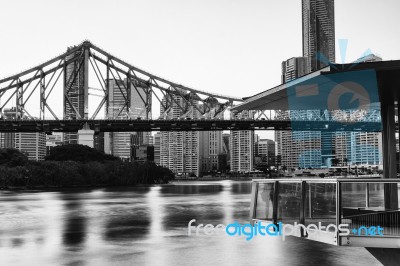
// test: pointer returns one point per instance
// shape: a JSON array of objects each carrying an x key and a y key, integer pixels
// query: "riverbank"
[
  {"x": 76, "y": 166},
  {"x": 69, "y": 174}
]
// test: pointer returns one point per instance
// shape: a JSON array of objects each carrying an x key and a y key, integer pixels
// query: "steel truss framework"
[
  {"x": 72, "y": 70},
  {"x": 120, "y": 125}
]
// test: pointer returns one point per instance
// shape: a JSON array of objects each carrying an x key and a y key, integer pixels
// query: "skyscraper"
[
  {"x": 242, "y": 146},
  {"x": 157, "y": 140},
  {"x": 266, "y": 149},
  {"x": 293, "y": 68},
  {"x": 211, "y": 146},
  {"x": 74, "y": 94},
  {"x": 318, "y": 33},
  {"x": 33, "y": 144},
  {"x": 359, "y": 147},
  {"x": 179, "y": 151},
  {"x": 306, "y": 148},
  {"x": 119, "y": 143}
]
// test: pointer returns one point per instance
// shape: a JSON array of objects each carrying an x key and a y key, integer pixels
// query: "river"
[{"x": 147, "y": 226}]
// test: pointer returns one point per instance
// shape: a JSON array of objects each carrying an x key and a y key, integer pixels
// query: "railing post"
[
  {"x": 275, "y": 203},
  {"x": 302, "y": 206},
  {"x": 253, "y": 204},
  {"x": 309, "y": 202},
  {"x": 338, "y": 208},
  {"x": 367, "y": 195}
]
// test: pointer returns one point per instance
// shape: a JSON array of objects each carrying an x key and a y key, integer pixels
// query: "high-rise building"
[
  {"x": 53, "y": 140},
  {"x": 179, "y": 151},
  {"x": 293, "y": 68},
  {"x": 142, "y": 153},
  {"x": 157, "y": 143},
  {"x": 305, "y": 148},
  {"x": 298, "y": 149},
  {"x": 266, "y": 149},
  {"x": 98, "y": 141},
  {"x": 209, "y": 151},
  {"x": 74, "y": 90},
  {"x": 7, "y": 139},
  {"x": 119, "y": 143},
  {"x": 226, "y": 148},
  {"x": 358, "y": 147},
  {"x": 318, "y": 33},
  {"x": 242, "y": 146},
  {"x": 33, "y": 144}
]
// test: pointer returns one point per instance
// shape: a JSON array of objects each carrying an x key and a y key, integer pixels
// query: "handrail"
[{"x": 330, "y": 180}]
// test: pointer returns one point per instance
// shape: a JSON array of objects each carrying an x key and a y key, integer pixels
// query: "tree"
[
  {"x": 78, "y": 153},
  {"x": 335, "y": 161},
  {"x": 12, "y": 157}
]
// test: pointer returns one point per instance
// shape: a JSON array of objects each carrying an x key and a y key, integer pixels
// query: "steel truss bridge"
[
  {"x": 35, "y": 95},
  {"x": 174, "y": 125}
]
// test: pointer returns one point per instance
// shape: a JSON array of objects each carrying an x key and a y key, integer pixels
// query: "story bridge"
[{"x": 88, "y": 81}]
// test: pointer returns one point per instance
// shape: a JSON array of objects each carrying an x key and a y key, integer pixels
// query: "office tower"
[
  {"x": 226, "y": 148},
  {"x": 74, "y": 90},
  {"x": 179, "y": 151},
  {"x": 210, "y": 151},
  {"x": 53, "y": 140},
  {"x": 242, "y": 146},
  {"x": 358, "y": 147},
  {"x": 142, "y": 153},
  {"x": 298, "y": 149},
  {"x": 7, "y": 140},
  {"x": 266, "y": 149},
  {"x": 305, "y": 148},
  {"x": 293, "y": 68},
  {"x": 98, "y": 141},
  {"x": 119, "y": 143},
  {"x": 210, "y": 142},
  {"x": 318, "y": 33},
  {"x": 32, "y": 144},
  {"x": 157, "y": 146}
]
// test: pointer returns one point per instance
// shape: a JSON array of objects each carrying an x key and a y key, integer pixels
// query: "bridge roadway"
[{"x": 181, "y": 125}]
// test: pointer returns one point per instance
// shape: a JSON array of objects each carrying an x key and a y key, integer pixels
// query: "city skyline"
[{"x": 234, "y": 42}]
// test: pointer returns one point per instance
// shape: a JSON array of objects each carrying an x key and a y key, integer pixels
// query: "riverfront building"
[
  {"x": 74, "y": 94},
  {"x": 241, "y": 146},
  {"x": 309, "y": 148},
  {"x": 179, "y": 151},
  {"x": 119, "y": 143},
  {"x": 32, "y": 144},
  {"x": 318, "y": 33}
]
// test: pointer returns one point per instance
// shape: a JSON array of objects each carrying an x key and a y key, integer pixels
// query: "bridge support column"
[
  {"x": 398, "y": 131},
  {"x": 86, "y": 83},
  {"x": 389, "y": 151},
  {"x": 85, "y": 136}
]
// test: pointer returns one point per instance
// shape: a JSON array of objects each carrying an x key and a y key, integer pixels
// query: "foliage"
[
  {"x": 78, "y": 153},
  {"x": 102, "y": 171},
  {"x": 12, "y": 157}
]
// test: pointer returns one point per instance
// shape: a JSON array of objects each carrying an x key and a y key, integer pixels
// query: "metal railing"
[{"x": 359, "y": 203}]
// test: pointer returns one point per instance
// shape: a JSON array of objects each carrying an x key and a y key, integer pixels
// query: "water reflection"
[
  {"x": 147, "y": 226},
  {"x": 74, "y": 231}
]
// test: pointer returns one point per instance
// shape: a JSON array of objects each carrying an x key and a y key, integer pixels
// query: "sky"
[{"x": 233, "y": 47}]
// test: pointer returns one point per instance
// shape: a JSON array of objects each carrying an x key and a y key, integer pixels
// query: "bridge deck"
[{"x": 127, "y": 125}]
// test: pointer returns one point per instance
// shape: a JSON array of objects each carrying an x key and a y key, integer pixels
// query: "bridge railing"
[{"x": 347, "y": 212}]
